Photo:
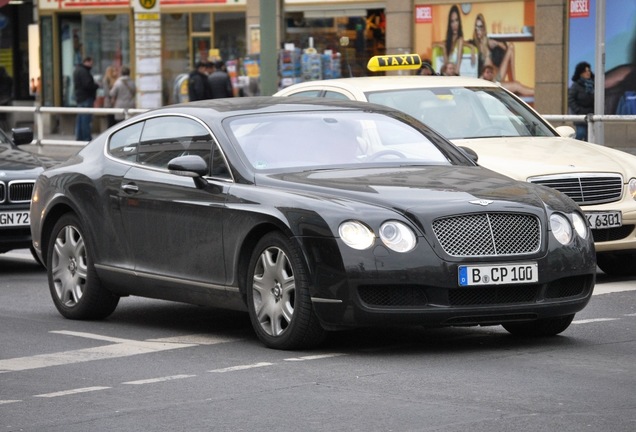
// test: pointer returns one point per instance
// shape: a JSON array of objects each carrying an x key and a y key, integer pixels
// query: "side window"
[
  {"x": 336, "y": 95},
  {"x": 123, "y": 143},
  {"x": 307, "y": 93},
  {"x": 219, "y": 166},
  {"x": 165, "y": 138}
]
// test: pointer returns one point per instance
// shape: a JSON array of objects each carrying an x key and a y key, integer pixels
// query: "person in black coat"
[
  {"x": 581, "y": 96},
  {"x": 198, "y": 86},
  {"x": 220, "y": 82},
  {"x": 85, "y": 91}
]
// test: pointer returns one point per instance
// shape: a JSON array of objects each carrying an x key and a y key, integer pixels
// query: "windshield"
[
  {"x": 326, "y": 139},
  {"x": 464, "y": 112}
]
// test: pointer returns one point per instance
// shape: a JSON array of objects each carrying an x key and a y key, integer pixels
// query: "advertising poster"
[
  {"x": 620, "y": 49},
  {"x": 473, "y": 35}
]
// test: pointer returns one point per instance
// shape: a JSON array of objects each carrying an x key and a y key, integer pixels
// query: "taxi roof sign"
[{"x": 394, "y": 62}]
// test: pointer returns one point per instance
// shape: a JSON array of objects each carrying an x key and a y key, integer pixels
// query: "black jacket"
[
  {"x": 579, "y": 100},
  {"x": 198, "y": 86},
  {"x": 220, "y": 85},
  {"x": 85, "y": 85}
]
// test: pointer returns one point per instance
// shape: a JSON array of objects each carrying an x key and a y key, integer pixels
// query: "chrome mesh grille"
[
  {"x": 20, "y": 191},
  {"x": 488, "y": 234},
  {"x": 586, "y": 188}
]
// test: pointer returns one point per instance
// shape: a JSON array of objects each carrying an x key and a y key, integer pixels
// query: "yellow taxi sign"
[{"x": 394, "y": 62}]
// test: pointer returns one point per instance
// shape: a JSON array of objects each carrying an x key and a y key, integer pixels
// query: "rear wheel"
[
  {"x": 617, "y": 264},
  {"x": 278, "y": 298},
  {"x": 542, "y": 327},
  {"x": 75, "y": 288}
]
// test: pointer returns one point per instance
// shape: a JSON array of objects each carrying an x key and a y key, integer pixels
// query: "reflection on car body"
[
  {"x": 509, "y": 137},
  {"x": 312, "y": 216}
]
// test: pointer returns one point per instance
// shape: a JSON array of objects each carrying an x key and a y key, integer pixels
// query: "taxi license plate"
[
  {"x": 604, "y": 220},
  {"x": 14, "y": 218},
  {"x": 498, "y": 274}
]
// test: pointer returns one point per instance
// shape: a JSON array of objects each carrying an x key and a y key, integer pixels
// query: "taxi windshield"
[
  {"x": 307, "y": 140},
  {"x": 466, "y": 112}
]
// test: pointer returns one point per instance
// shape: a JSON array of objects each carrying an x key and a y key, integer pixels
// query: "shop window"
[{"x": 175, "y": 57}]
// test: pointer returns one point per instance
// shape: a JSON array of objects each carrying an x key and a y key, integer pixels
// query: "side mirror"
[
  {"x": 472, "y": 154},
  {"x": 566, "y": 131},
  {"x": 22, "y": 135},
  {"x": 188, "y": 166}
]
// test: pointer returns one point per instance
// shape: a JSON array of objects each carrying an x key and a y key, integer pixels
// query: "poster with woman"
[
  {"x": 620, "y": 51},
  {"x": 474, "y": 35}
]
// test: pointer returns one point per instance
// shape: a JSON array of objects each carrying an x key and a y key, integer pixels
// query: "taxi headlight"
[
  {"x": 356, "y": 235},
  {"x": 580, "y": 225},
  {"x": 397, "y": 236},
  {"x": 632, "y": 188},
  {"x": 561, "y": 228}
]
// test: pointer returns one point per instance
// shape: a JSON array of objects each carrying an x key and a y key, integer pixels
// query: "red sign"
[
  {"x": 4, "y": 2},
  {"x": 579, "y": 8},
  {"x": 423, "y": 14}
]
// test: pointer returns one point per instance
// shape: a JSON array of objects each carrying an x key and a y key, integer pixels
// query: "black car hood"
[
  {"x": 418, "y": 189},
  {"x": 14, "y": 159}
]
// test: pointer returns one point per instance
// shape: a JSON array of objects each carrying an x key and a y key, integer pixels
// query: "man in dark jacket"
[
  {"x": 220, "y": 82},
  {"x": 198, "y": 86},
  {"x": 85, "y": 91}
]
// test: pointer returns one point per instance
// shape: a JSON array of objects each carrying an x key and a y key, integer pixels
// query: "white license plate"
[
  {"x": 604, "y": 220},
  {"x": 14, "y": 218},
  {"x": 498, "y": 274}
]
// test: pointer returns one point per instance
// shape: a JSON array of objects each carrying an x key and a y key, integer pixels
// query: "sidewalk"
[{"x": 59, "y": 152}]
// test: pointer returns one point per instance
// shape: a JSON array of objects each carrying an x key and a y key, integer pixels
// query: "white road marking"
[
  {"x": 314, "y": 357},
  {"x": 4, "y": 402},
  {"x": 196, "y": 339},
  {"x": 587, "y": 321},
  {"x": 614, "y": 287},
  {"x": 242, "y": 367},
  {"x": 71, "y": 392},
  {"x": 161, "y": 379},
  {"x": 121, "y": 348}
]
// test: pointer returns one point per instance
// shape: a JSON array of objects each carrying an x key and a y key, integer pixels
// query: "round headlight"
[
  {"x": 561, "y": 228},
  {"x": 356, "y": 235},
  {"x": 631, "y": 187},
  {"x": 580, "y": 225},
  {"x": 397, "y": 236}
]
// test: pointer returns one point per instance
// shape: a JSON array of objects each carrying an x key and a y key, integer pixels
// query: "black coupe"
[{"x": 312, "y": 216}]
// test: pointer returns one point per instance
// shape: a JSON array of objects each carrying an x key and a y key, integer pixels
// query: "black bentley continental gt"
[{"x": 310, "y": 215}]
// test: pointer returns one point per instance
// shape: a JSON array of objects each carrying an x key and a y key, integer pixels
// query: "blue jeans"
[
  {"x": 84, "y": 122},
  {"x": 581, "y": 131}
]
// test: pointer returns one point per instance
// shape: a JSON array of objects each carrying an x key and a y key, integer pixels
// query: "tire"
[
  {"x": 540, "y": 328},
  {"x": 617, "y": 264},
  {"x": 75, "y": 288},
  {"x": 278, "y": 296}
]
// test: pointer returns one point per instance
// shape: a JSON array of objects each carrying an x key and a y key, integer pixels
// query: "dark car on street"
[
  {"x": 312, "y": 216},
  {"x": 18, "y": 171}
]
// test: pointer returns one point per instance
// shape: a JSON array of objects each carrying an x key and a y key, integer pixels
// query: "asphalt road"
[{"x": 161, "y": 366}]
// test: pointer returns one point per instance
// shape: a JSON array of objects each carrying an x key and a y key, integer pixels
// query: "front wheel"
[
  {"x": 75, "y": 288},
  {"x": 278, "y": 297},
  {"x": 539, "y": 328}
]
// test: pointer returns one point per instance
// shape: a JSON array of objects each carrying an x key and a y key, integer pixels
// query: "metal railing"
[{"x": 39, "y": 112}]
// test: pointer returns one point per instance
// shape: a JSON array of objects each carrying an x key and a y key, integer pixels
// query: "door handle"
[{"x": 130, "y": 188}]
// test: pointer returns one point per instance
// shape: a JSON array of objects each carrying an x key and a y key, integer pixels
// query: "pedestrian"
[
  {"x": 198, "y": 85},
  {"x": 581, "y": 96},
  {"x": 123, "y": 92},
  {"x": 426, "y": 68},
  {"x": 85, "y": 91},
  {"x": 6, "y": 95},
  {"x": 449, "y": 69},
  {"x": 220, "y": 82},
  {"x": 110, "y": 76}
]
